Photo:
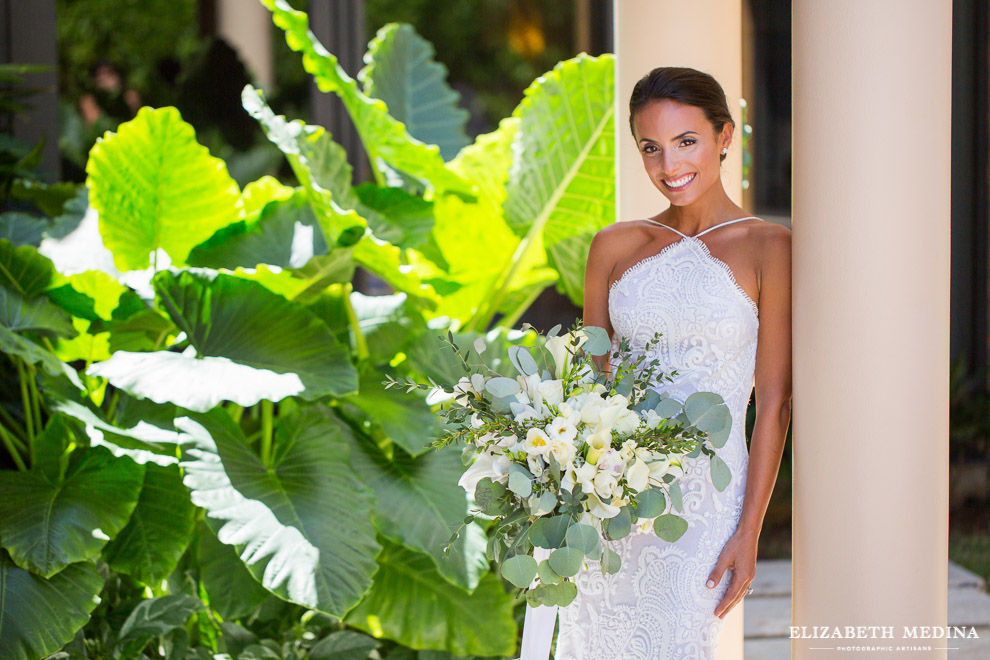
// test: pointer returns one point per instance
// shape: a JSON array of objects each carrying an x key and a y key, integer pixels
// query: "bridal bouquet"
[{"x": 564, "y": 456}]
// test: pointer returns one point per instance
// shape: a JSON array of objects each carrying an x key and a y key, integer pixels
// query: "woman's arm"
[{"x": 773, "y": 415}]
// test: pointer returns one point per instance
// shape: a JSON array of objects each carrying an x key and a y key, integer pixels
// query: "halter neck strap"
[{"x": 721, "y": 224}]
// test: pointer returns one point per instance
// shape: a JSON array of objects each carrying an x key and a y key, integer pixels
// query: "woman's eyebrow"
[{"x": 676, "y": 137}]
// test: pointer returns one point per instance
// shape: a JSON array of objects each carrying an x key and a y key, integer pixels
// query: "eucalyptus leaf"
[
  {"x": 547, "y": 574},
  {"x": 670, "y": 527},
  {"x": 619, "y": 525},
  {"x": 584, "y": 538},
  {"x": 721, "y": 475},
  {"x": 611, "y": 562},
  {"x": 598, "y": 342},
  {"x": 519, "y": 570},
  {"x": 650, "y": 503},
  {"x": 501, "y": 386},
  {"x": 566, "y": 561}
]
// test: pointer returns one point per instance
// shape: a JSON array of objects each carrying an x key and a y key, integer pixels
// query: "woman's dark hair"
[{"x": 684, "y": 85}]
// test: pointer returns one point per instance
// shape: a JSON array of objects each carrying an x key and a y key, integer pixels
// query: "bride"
[{"x": 716, "y": 283}]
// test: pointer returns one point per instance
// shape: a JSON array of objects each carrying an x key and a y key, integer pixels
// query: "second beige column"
[{"x": 871, "y": 108}]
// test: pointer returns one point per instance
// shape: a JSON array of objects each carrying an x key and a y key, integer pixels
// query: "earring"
[{"x": 724, "y": 150}]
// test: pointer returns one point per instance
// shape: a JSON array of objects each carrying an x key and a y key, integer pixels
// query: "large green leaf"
[
  {"x": 156, "y": 187},
  {"x": 143, "y": 443},
  {"x": 38, "y": 315},
  {"x": 232, "y": 590},
  {"x": 413, "y": 605},
  {"x": 286, "y": 234},
  {"x": 246, "y": 344},
  {"x": 383, "y": 136},
  {"x": 303, "y": 524},
  {"x": 39, "y": 616},
  {"x": 401, "y": 71},
  {"x": 15, "y": 344},
  {"x": 511, "y": 273},
  {"x": 318, "y": 162},
  {"x": 48, "y": 524},
  {"x": 404, "y": 417},
  {"x": 562, "y": 180},
  {"x": 154, "y": 617},
  {"x": 321, "y": 166},
  {"x": 157, "y": 534},
  {"x": 420, "y": 505},
  {"x": 24, "y": 270}
]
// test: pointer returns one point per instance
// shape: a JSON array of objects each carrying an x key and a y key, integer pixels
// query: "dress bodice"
[{"x": 708, "y": 323}]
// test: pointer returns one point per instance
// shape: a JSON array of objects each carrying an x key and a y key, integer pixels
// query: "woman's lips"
[{"x": 685, "y": 181}]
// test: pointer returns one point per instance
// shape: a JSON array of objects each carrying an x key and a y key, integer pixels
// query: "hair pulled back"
[{"x": 684, "y": 85}]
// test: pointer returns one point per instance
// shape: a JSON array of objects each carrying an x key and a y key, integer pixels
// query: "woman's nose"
[{"x": 670, "y": 163}]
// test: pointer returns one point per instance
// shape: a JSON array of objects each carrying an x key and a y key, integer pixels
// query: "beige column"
[
  {"x": 871, "y": 94},
  {"x": 247, "y": 27},
  {"x": 701, "y": 34},
  {"x": 704, "y": 35}
]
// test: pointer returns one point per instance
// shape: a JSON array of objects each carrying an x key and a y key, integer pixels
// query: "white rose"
[
  {"x": 537, "y": 442},
  {"x": 569, "y": 413},
  {"x": 552, "y": 391},
  {"x": 562, "y": 451},
  {"x": 638, "y": 476},
  {"x": 591, "y": 408},
  {"x": 627, "y": 422},
  {"x": 605, "y": 484}
]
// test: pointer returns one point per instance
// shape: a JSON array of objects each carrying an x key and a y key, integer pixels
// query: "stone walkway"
[{"x": 768, "y": 615}]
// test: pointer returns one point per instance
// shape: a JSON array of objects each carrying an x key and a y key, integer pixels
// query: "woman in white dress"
[{"x": 722, "y": 304}]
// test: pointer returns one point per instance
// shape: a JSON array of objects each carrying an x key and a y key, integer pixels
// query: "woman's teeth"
[{"x": 678, "y": 184}]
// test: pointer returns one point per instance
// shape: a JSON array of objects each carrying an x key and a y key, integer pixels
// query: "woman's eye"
[
  {"x": 688, "y": 142},
  {"x": 649, "y": 149}
]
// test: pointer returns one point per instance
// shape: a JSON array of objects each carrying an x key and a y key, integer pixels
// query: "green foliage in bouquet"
[
  {"x": 567, "y": 456},
  {"x": 203, "y": 456}
]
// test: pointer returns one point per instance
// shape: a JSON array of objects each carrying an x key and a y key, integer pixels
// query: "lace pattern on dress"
[{"x": 657, "y": 606}]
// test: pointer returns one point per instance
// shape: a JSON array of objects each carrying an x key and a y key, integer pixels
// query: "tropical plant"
[{"x": 197, "y": 438}]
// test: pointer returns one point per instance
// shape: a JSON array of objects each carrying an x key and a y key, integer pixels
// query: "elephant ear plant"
[{"x": 199, "y": 454}]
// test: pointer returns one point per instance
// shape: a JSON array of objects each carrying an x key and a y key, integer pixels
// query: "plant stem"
[
  {"x": 25, "y": 400},
  {"x": 114, "y": 399},
  {"x": 235, "y": 412},
  {"x": 16, "y": 428},
  {"x": 14, "y": 454},
  {"x": 360, "y": 343},
  {"x": 267, "y": 408},
  {"x": 35, "y": 397}
]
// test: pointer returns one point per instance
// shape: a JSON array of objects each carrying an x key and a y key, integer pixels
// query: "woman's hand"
[{"x": 739, "y": 554}]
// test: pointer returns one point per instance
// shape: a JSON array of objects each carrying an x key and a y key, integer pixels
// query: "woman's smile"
[{"x": 680, "y": 183}]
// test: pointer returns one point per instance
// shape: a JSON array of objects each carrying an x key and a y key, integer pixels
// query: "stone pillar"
[
  {"x": 871, "y": 243},
  {"x": 247, "y": 27},
  {"x": 704, "y": 35}
]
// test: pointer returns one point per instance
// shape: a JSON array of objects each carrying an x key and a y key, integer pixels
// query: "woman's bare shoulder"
[{"x": 773, "y": 241}]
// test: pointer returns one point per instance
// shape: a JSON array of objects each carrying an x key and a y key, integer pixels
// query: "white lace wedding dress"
[{"x": 657, "y": 606}]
